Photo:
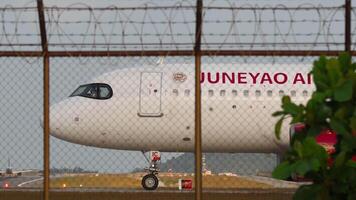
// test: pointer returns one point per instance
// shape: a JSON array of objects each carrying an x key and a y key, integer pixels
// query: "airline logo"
[{"x": 179, "y": 77}]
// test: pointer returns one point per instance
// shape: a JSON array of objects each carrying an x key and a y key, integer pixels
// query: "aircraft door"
[{"x": 150, "y": 94}]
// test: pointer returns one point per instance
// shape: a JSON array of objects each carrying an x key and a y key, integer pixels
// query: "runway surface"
[
  {"x": 14, "y": 182},
  {"x": 139, "y": 194},
  {"x": 15, "y": 192}
]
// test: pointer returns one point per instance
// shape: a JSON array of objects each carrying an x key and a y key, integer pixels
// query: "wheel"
[{"x": 150, "y": 182}]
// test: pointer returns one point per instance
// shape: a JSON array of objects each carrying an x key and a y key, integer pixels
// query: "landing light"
[
  {"x": 6, "y": 185},
  {"x": 64, "y": 185}
]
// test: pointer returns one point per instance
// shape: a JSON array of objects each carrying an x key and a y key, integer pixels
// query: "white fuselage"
[{"x": 153, "y": 108}]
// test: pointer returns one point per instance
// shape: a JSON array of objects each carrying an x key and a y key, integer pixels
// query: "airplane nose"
[
  {"x": 54, "y": 120},
  {"x": 60, "y": 119}
]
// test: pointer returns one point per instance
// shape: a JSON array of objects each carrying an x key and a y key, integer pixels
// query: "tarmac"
[{"x": 18, "y": 190}]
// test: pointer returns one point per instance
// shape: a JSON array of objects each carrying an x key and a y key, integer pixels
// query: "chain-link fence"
[{"x": 123, "y": 94}]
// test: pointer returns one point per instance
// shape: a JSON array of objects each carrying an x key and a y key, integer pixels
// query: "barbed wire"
[{"x": 150, "y": 25}]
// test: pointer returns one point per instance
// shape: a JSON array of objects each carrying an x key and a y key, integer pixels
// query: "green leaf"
[
  {"x": 298, "y": 147},
  {"x": 319, "y": 96},
  {"x": 344, "y": 92},
  {"x": 314, "y": 130},
  {"x": 278, "y": 113},
  {"x": 348, "y": 143},
  {"x": 311, "y": 149},
  {"x": 291, "y": 108},
  {"x": 302, "y": 167},
  {"x": 298, "y": 118},
  {"x": 282, "y": 171},
  {"x": 320, "y": 64},
  {"x": 345, "y": 61},
  {"x": 285, "y": 99},
  {"x": 319, "y": 74},
  {"x": 342, "y": 112},
  {"x": 315, "y": 164},
  {"x": 339, "y": 160},
  {"x": 351, "y": 163},
  {"x": 333, "y": 71},
  {"x": 277, "y": 128},
  {"x": 337, "y": 126},
  {"x": 307, "y": 192},
  {"x": 353, "y": 67},
  {"x": 324, "y": 112},
  {"x": 353, "y": 123}
]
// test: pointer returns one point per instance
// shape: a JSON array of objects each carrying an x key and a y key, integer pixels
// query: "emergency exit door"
[{"x": 150, "y": 94}]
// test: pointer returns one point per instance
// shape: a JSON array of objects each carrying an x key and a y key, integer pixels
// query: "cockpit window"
[
  {"x": 79, "y": 90},
  {"x": 104, "y": 92},
  {"x": 94, "y": 90}
]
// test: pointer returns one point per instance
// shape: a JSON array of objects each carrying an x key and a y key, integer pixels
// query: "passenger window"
[
  {"x": 258, "y": 93},
  {"x": 222, "y": 93},
  {"x": 293, "y": 93},
  {"x": 281, "y": 93},
  {"x": 186, "y": 92},
  {"x": 211, "y": 93},
  {"x": 234, "y": 93},
  {"x": 246, "y": 93},
  {"x": 269, "y": 93},
  {"x": 305, "y": 93},
  {"x": 175, "y": 92}
]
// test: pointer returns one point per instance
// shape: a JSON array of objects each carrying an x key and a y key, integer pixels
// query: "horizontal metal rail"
[{"x": 169, "y": 53}]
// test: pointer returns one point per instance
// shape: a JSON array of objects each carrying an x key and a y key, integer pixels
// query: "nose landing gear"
[{"x": 150, "y": 181}]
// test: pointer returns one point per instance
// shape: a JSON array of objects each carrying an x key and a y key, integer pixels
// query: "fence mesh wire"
[
  {"x": 128, "y": 119},
  {"x": 21, "y": 139},
  {"x": 109, "y": 114}
]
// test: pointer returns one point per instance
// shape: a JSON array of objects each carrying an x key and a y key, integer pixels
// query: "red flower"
[
  {"x": 353, "y": 158},
  {"x": 330, "y": 161}
]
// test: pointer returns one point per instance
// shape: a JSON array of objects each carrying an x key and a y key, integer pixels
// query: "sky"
[{"x": 21, "y": 78}]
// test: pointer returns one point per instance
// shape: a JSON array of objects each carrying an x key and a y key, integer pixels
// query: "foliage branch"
[{"x": 332, "y": 106}]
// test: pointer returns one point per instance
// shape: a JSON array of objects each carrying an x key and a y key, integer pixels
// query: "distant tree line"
[{"x": 70, "y": 170}]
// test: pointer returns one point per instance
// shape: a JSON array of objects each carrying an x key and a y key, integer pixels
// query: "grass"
[
  {"x": 218, "y": 182},
  {"x": 133, "y": 181}
]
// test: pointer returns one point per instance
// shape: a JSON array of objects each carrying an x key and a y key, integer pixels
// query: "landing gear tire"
[{"x": 150, "y": 182}]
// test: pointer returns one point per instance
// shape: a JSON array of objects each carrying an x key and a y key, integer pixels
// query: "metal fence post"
[
  {"x": 198, "y": 135},
  {"x": 46, "y": 130},
  {"x": 348, "y": 25}
]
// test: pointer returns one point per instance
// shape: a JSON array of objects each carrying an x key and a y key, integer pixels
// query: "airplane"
[
  {"x": 9, "y": 172},
  {"x": 151, "y": 109}
]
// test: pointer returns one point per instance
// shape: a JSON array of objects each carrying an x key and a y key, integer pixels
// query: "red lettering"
[
  {"x": 298, "y": 77},
  {"x": 254, "y": 78},
  {"x": 202, "y": 77},
  {"x": 266, "y": 77},
  {"x": 309, "y": 78},
  {"x": 226, "y": 76},
  {"x": 217, "y": 77},
  {"x": 280, "y": 81},
  {"x": 241, "y": 78}
]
